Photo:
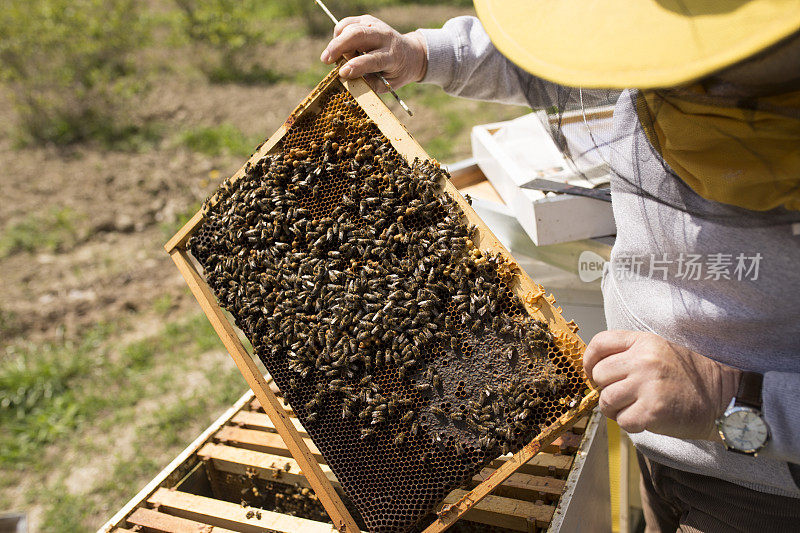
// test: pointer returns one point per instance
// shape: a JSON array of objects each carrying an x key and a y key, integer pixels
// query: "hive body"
[{"x": 404, "y": 344}]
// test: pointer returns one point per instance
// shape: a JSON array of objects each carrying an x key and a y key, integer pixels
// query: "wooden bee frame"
[{"x": 533, "y": 296}]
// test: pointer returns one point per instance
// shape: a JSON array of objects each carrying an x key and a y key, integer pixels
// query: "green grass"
[
  {"x": 193, "y": 336},
  {"x": 136, "y": 138},
  {"x": 70, "y": 67},
  {"x": 455, "y": 118},
  {"x": 163, "y": 304},
  {"x": 139, "y": 355},
  {"x": 66, "y": 512},
  {"x": 312, "y": 75},
  {"x": 48, "y": 392},
  {"x": 41, "y": 398},
  {"x": 53, "y": 231},
  {"x": 77, "y": 73},
  {"x": 157, "y": 440},
  {"x": 168, "y": 427},
  {"x": 74, "y": 398},
  {"x": 9, "y": 324},
  {"x": 106, "y": 131},
  {"x": 216, "y": 140},
  {"x": 442, "y": 147}
]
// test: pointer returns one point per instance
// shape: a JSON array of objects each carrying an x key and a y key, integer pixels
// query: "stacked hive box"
[{"x": 211, "y": 484}]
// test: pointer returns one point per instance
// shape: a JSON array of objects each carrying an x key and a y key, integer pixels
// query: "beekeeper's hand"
[
  {"x": 649, "y": 383},
  {"x": 401, "y": 58}
]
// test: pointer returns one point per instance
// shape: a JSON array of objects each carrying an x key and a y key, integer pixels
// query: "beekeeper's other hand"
[
  {"x": 649, "y": 383},
  {"x": 402, "y": 58}
]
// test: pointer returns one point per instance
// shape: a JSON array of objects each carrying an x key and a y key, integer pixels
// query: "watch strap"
[
  {"x": 794, "y": 470},
  {"x": 749, "y": 393}
]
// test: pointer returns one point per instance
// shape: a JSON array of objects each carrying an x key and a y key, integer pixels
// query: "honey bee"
[
  {"x": 436, "y": 410},
  {"x": 497, "y": 408},
  {"x": 423, "y": 387},
  {"x": 456, "y": 416}
]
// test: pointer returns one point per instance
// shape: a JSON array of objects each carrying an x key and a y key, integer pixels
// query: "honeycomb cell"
[{"x": 399, "y": 345}]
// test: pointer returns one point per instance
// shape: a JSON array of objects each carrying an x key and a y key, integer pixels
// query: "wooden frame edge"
[
  {"x": 328, "y": 497},
  {"x": 182, "y": 457},
  {"x": 452, "y": 513}
]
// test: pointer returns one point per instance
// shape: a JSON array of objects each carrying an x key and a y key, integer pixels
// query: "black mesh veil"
[{"x": 622, "y": 148}]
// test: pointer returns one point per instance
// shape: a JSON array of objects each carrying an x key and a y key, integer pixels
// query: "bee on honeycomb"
[{"x": 360, "y": 286}]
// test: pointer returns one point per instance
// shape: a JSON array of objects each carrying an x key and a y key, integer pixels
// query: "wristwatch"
[{"x": 742, "y": 426}]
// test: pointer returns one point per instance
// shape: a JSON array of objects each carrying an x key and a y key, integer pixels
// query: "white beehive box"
[
  {"x": 513, "y": 153},
  {"x": 556, "y": 265}
]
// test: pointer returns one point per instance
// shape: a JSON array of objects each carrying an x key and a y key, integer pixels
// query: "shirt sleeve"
[
  {"x": 781, "y": 408},
  {"x": 464, "y": 62}
]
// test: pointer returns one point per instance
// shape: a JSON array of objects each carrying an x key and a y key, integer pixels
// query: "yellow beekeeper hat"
[{"x": 633, "y": 43}]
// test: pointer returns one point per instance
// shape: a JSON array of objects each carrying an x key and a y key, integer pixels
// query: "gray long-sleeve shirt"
[{"x": 750, "y": 321}]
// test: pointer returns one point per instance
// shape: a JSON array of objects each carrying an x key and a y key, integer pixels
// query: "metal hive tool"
[{"x": 448, "y": 378}]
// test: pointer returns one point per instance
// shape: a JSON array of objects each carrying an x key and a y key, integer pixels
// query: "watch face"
[{"x": 744, "y": 429}]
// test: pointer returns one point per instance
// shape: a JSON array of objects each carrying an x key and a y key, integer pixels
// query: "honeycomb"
[
  {"x": 398, "y": 343},
  {"x": 254, "y": 493}
]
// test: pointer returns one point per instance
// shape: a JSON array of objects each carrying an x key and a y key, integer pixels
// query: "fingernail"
[
  {"x": 325, "y": 57},
  {"x": 345, "y": 71}
]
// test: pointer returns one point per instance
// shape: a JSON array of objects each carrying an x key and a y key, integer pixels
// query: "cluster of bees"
[
  {"x": 350, "y": 268},
  {"x": 505, "y": 416},
  {"x": 258, "y": 494}
]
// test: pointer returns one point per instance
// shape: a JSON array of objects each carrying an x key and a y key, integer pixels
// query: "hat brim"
[{"x": 633, "y": 43}]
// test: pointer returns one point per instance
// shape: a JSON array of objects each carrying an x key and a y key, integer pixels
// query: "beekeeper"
[{"x": 701, "y": 364}]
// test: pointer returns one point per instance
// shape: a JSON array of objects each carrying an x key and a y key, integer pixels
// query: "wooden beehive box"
[
  {"x": 205, "y": 485},
  {"x": 569, "y": 347}
]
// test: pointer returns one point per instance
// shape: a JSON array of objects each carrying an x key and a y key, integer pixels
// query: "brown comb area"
[{"x": 400, "y": 346}]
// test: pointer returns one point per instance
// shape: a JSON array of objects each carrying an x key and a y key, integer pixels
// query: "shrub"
[
  {"x": 227, "y": 33},
  {"x": 317, "y": 22},
  {"x": 70, "y": 67}
]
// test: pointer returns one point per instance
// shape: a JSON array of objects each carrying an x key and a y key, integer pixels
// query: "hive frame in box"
[
  {"x": 532, "y": 295},
  {"x": 233, "y": 445}
]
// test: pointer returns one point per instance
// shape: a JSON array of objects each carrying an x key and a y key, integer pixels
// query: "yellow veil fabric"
[{"x": 746, "y": 157}]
